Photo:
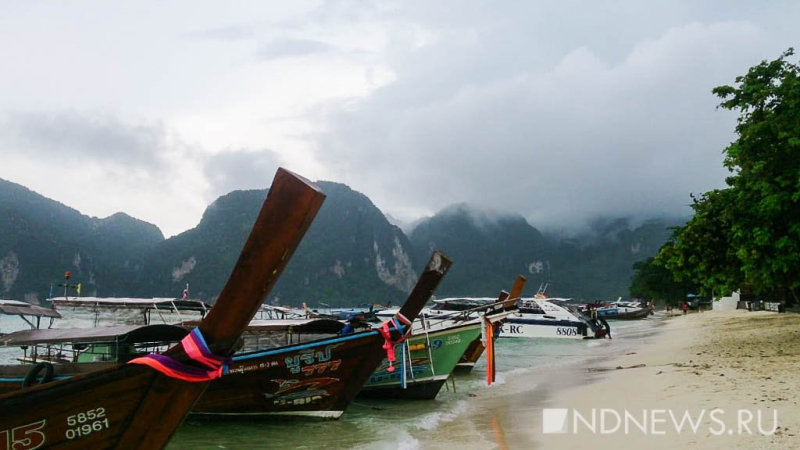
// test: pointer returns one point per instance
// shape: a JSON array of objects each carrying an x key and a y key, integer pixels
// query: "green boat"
[{"x": 424, "y": 362}]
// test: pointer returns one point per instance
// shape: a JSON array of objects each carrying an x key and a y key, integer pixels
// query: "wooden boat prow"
[
  {"x": 136, "y": 407},
  {"x": 272, "y": 381}
]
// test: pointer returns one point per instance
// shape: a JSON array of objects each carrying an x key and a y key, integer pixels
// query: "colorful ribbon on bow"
[
  {"x": 388, "y": 343},
  {"x": 195, "y": 347}
]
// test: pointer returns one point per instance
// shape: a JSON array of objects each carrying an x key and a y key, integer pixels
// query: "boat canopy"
[
  {"x": 133, "y": 303},
  {"x": 475, "y": 300},
  {"x": 17, "y": 308},
  {"x": 282, "y": 309},
  {"x": 296, "y": 326},
  {"x": 128, "y": 334}
]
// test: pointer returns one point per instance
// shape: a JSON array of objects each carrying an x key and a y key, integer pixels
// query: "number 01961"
[{"x": 86, "y": 423}]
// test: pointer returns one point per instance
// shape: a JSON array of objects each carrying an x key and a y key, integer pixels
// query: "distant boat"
[
  {"x": 346, "y": 314},
  {"x": 538, "y": 318},
  {"x": 621, "y": 310},
  {"x": 108, "y": 310},
  {"x": 31, "y": 314}
]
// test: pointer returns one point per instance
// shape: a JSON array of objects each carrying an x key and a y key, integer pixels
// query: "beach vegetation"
[
  {"x": 652, "y": 281},
  {"x": 748, "y": 235}
]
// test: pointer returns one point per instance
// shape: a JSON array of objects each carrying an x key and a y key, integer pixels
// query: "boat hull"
[
  {"x": 623, "y": 315},
  {"x": 316, "y": 379},
  {"x": 522, "y": 327},
  {"x": 12, "y": 376},
  {"x": 470, "y": 356},
  {"x": 97, "y": 410},
  {"x": 475, "y": 350},
  {"x": 429, "y": 368}
]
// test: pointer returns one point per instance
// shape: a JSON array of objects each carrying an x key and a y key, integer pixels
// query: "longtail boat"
[
  {"x": 131, "y": 311},
  {"x": 317, "y": 378},
  {"x": 286, "y": 369},
  {"x": 62, "y": 353},
  {"x": 363, "y": 315},
  {"x": 135, "y": 406},
  {"x": 31, "y": 314}
]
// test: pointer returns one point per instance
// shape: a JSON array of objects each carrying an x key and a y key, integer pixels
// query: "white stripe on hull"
[
  {"x": 318, "y": 414},
  {"x": 409, "y": 381},
  {"x": 526, "y": 330}
]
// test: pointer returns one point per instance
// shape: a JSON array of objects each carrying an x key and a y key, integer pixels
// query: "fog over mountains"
[{"x": 351, "y": 255}]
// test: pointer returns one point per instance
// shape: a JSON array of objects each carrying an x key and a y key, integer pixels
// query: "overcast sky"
[{"x": 559, "y": 111}]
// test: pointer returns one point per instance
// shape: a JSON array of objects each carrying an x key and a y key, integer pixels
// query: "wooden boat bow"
[{"x": 134, "y": 406}]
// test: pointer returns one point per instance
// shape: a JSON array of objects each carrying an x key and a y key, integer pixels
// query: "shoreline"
[
  {"x": 508, "y": 415},
  {"x": 741, "y": 366}
]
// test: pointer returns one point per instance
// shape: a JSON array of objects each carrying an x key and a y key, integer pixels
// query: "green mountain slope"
[
  {"x": 351, "y": 253},
  {"x": 40, "y": 239}
]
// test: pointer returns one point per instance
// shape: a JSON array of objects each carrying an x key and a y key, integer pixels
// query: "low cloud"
[
  {"x": 224, "y": 33},
  {"x": 90, "y": 137},
  {"x": 586, "y": 136},
  {"x": 101, "y": 164},
  {"x": 285, "y": 47},
  {"x": 240, "y": 170}
]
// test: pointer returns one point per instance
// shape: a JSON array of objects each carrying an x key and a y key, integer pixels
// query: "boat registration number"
[
  {"x": 85, "y": 423},
  {"x": 566, "y": 331}
]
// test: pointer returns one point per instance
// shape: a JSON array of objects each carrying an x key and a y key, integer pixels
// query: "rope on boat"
[
  {"x": 403, "y": 375},
  {"x": 487, "y": 330},
  {"x": 195, "y": 347},
  {"x": 388, "y": 343}
]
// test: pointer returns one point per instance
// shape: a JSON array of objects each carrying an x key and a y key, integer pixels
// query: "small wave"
[
  {"x": 403, "y": 440},
  {"x": 501, "y": 377},
  {"x": 596, "y": 343},
  {"x": 431, "y": 421}
]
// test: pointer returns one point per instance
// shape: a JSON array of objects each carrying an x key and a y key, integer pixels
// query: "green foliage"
[
  {"x": 653, "y": 281},
  {"x": 748, "y": 235},
  {"x": 701, "y": 252}
]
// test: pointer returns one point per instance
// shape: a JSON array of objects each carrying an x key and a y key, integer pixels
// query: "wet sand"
[
  {"x": 508, "y": 415},
  {"x": 734, "y": 364}
]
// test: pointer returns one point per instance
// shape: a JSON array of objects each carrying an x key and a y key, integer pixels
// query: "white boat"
[
  {"x": 620, "y": 310},
  {"x": 545, "y": 318},
  {"x": 539, "y": 318}
]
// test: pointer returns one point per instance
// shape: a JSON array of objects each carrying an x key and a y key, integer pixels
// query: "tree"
[
  {"x": 701, "y": 253},
  {"x": 653, "y": 281},
  {"x": 748, "y": 235}
]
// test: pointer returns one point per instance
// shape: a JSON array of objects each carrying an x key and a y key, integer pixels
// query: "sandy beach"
[{"x": 723, "y": 376}]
